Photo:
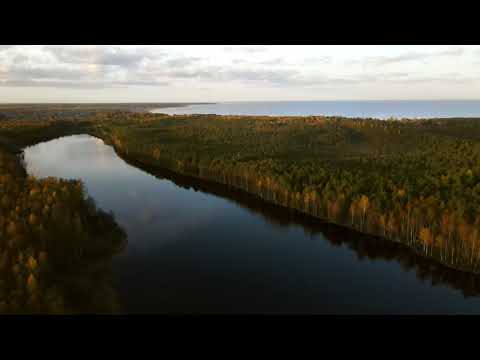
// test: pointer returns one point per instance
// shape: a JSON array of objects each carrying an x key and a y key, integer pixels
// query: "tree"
[
  {"x": 32, "y": 263},
  {"x": 32, "y": 284},
  {"x": 364, "y": 202},
  {"x": 426, "y": 238}
]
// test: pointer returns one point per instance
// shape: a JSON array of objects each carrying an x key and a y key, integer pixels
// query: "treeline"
[
  {"x": 56, "y": 247},
  {"x": 365, "y": 247},
  {"x": 411, "y": 181}
]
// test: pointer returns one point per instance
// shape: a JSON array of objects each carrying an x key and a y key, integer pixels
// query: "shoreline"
[
  {"x": 282, "y": 214},
  {"x": 358, "y": 109},
  {"x": 228, "y": 178},
  {"x": 137, "y": 161}
]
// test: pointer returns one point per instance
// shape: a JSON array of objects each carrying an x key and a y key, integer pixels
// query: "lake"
[
  {"x": 373, "y": 109},
  {"x": 195, "y": 247}
]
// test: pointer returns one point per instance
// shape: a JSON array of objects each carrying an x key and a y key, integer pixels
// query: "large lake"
[
  {"x": 374, "y": 109},
  {"x": 200, "y": 248}
]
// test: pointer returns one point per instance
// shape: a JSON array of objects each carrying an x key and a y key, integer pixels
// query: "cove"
[{"x": 196, "y": 248}]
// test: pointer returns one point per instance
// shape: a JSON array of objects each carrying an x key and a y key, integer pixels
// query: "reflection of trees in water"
[
  {"x": 365, "y": 247},
  {"x": 56, "y": 246},
  {"x": 427, "y": 270},
  {"x": 88, "y": 282}
]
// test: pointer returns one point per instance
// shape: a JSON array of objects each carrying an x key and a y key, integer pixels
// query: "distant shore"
[
  {"x": 135, "y": 107},
  {"x": 75, "y": 111}
]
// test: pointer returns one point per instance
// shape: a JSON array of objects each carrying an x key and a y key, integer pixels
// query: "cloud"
[
  {"x": 20, "y": 58},
  {"x": 182, "y": 61},
  {"x": 121, "y": 58},
  {"x": 209, "y": 72},
  {"x": 476, "y": 56},
  {"x": 142, "y": 83},
  {"x": 114, "y": 66},
  {"x": 445, "y": 79},
  {"x": 410, "y": 56},
  {"x": 328, "y": 81},
  {"x": 74, "y": 54},
  {"x": 72, "y": 76},
  {"x": 399, "y": 58},
  {"x": 85, "y": 84},
  {"x": 253, "y": 49},
  {"x": 245, "y": 49},
  {"x": 100, "y": 55},
  {"x": 224, "y": 74},
  {"x": 317, "y": 60},
  {"x": 38, "y": 73},
  {"x": 5, "y": 47},
  {"x": 276, "y": 61},
  {"x": 451, "y": 52},
  {"x": 160, "y": 74},
  {"x": 109, "y": 66},
  {"x": 51, "y": 83},
  {"x": 78, "y": 66},
  {"x": 397, "y": 75},
  {"x": 272, "y": 76}
]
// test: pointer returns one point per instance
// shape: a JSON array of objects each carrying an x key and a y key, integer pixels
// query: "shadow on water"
[{"x": 365, "y": 247}]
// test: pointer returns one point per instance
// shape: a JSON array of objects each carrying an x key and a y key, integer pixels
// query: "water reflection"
[
  {"x": 366, "y": 247},
  {"x": 197, "y": 247}
]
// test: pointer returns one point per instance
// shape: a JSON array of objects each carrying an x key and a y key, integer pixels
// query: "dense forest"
[
  {"x": 365, "y": 247},
  {"x": 411, "y": 181},
  {"x": 56, "y": 246}
]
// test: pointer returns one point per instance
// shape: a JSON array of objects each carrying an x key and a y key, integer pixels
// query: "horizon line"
[{"x": 225, "y": 101}]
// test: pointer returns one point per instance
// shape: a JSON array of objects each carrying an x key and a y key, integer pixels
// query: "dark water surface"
[
  {"x": 374, "y": 109},
  {"x": 213, "y": 250}
]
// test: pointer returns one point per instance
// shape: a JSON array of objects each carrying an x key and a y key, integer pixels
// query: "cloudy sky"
[{"x": 236, "y": 73}]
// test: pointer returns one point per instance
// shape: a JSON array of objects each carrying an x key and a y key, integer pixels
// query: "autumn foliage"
[
  {"x": 412, "y": 181},
  {"x": 50, "y": 235}
]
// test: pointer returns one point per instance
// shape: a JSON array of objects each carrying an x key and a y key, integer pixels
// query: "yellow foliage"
[
  {"x": 33, "y": 219},
  {"x": 364, "y": 202},
  {"x": 33, "y": 192},
  {"x": 32, "y": 284},
  {"x": 425, "y": 236},
  {"x": 32, "y": 263},
  {"x": 439, "y": 240}
]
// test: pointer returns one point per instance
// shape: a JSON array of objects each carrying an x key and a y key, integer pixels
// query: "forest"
[
  {"x": 56, "y": 246},
  {"x": 365, "y": 247},
  {"x": 411, "y": 181},
  {"x": 415, "y": 182}
]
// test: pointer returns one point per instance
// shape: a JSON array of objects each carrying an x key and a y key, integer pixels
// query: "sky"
[{"x": 215, "y": 73}]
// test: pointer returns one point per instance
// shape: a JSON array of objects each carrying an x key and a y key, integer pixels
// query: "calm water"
[
  {"x": 210, "y": 250},
  {"x": 374, "y": 109}
]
